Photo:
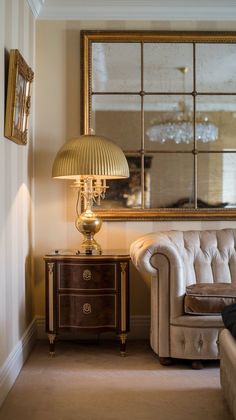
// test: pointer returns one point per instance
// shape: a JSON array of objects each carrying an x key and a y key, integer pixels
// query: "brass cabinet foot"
[
  {"x": 123, "y": 344},
  {"x": 52, "y": 338}
]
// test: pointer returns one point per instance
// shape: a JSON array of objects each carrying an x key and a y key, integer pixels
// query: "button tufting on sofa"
[{"x": 200, "y": 342}]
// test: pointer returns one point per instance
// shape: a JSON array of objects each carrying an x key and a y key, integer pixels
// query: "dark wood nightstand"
[{"x": 88, "y": 293}]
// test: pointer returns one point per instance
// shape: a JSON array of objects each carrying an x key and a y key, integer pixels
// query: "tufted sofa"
[{"x": 174, "y": 260}]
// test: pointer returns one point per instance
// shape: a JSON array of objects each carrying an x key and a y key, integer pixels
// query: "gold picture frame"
[{"x": 20, "y": 77}]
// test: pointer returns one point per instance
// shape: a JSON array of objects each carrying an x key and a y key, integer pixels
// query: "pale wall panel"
[{"x": 17, "y": 27}]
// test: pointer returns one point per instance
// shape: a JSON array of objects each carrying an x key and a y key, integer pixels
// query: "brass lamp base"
[{"x": 88, "y": 223}]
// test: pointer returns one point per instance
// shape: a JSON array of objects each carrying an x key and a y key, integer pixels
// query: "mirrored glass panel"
[
  {"x": 215, "y": 68},
  {"x": 126, "y": 193},
  {"x": 217, "y": 180},
  {"x": 116, "y": 67},
  {"x": 172, "y": 181},
  {"x": 138, "y": 193},
  {"x": 163, "y": 67},
  {"x": 216, "y": 118},
  {"x": 168, "y": 122},
  {"x": 117, "y": 117}
]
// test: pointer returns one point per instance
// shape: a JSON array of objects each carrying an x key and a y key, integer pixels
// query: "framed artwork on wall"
[{"x": 20, "y": 77}]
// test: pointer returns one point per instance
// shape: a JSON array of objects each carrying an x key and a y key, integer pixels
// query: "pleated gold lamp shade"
[
  {"x": 90, "y": 160},
  {"x": 90, "y": 155}
]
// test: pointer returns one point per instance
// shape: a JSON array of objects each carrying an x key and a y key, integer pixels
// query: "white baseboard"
[
  {"x": 16, "y": 359},
  {"x": 41, "y": 334},
  {"x": 139, "y": 328}
]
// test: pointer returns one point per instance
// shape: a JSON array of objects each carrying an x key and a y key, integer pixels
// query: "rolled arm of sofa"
[
  {"x": 158, "y": 259},
  {"x": 144, "y": 250},
  {"x": 228, "y": 368}
]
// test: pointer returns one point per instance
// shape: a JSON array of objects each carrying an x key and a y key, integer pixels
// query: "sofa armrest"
[
  {"x": 228, "y": 368},
  {"x": 156, "y": 255},
  {"x": 144, "y": 250},
  {"x": 157, "y": 258}
]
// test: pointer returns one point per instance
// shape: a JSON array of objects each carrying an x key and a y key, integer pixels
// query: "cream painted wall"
[
  {"x": 57, "y": 120},
  {"x": 17, "y": 30}
]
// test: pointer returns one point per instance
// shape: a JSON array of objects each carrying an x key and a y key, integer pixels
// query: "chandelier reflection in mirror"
[{"x": 178, "y": 126}]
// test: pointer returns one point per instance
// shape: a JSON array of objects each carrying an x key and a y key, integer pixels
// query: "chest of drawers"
[{"x": 87, "y": 293}]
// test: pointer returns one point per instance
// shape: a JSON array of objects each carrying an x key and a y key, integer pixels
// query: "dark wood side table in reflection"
[{"x": 88, "y": 293}]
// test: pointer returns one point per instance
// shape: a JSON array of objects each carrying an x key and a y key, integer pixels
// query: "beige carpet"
[{"x": 92, "y": 382}]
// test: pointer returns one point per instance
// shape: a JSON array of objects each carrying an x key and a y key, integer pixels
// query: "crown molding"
[
  {"x": 154, "y": 10},
  {"x": 36, "y": 7}
]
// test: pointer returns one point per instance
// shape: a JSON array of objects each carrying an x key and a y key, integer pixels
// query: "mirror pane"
[
  {"x": 217, "y": 179},
  {"x": 215, "y": 68},
  {"x": 163, "y": 67},
  {"x": 168, "y": 122},
  {"x": 172, "y": 180},
  {"x": 217, "y": 120},
  {"x": 118, "y": 118},
  {"x": 116, "y": 67},
  {"x": 126, "y": 193}
]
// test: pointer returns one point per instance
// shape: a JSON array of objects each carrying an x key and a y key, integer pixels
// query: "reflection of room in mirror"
[
  {"x": 177, "y": 125},
  {"x": 215, "y": 67},
  {"x": 115, "y": 67},
  {"x": 161, "y": 64},
  {"x": 127, "y": 98},
  {"x": 133, "y": 195},
  {"x": 171, "y": 175},
  {"x": 210, "y": 179},
  {"x": 172, "y": 180},
  {"x": 126, "y": 193},
  {"x": 229, "y": 179}
]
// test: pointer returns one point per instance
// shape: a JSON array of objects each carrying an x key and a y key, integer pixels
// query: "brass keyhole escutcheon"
[
  {"x": 87, "y": 308},
  {"x": 87, "y": 275}
]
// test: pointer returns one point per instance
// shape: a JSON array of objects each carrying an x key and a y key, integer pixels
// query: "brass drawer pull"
[
  {"x": 87, "y": 308},
  {"x": 87, "y": 275}
]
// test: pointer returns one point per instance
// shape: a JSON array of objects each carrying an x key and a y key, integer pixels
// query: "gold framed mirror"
[{"x": 169, "y": 100}]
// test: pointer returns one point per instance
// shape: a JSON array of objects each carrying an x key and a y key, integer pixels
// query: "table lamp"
[{"x": 89, "y": 161}]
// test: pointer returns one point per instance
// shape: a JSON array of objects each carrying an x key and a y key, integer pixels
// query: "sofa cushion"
[{"x": 208, "y": 298}]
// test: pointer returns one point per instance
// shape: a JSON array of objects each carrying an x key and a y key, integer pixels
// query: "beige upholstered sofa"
[
  {"x": 174, "y": 260},
  {"x": 228, "y": 369}
]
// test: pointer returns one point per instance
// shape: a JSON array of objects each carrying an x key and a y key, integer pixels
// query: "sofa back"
[{"x": 208, "y": 256}]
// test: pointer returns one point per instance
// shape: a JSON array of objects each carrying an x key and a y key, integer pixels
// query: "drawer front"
[
  {"x": 87, "y": 276},
  {"x": 87, "y": 311}
]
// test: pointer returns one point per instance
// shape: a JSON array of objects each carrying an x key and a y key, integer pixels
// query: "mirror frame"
[{"x": 89, "y": 37}]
